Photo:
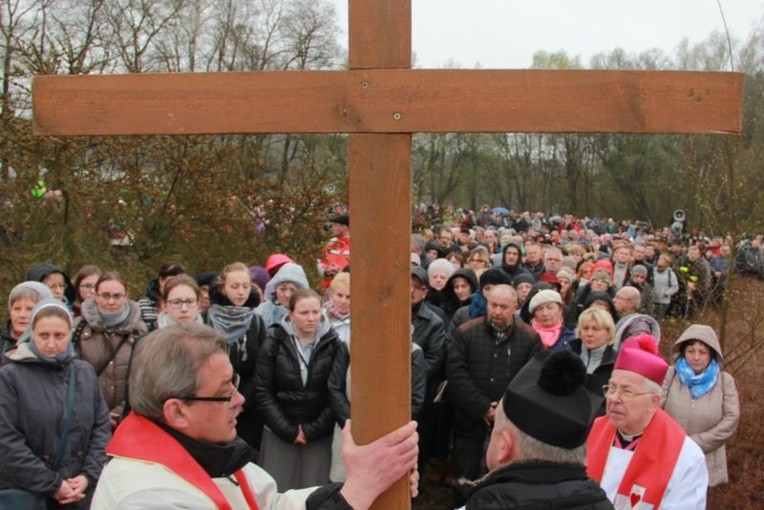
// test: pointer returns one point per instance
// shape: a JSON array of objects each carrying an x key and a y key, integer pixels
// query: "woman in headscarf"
[
  {"x": 702, "y": 397},
  {"x": 459, "y": 288},
  {"x": 21, "y": 302},
  {"x": 106, "y": 336},
  {"x": 232, "y": 313},
  {"x": 54, "y": 423}
]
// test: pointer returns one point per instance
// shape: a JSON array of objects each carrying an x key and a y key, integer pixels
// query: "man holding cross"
[{"x": 179, "y": 447}]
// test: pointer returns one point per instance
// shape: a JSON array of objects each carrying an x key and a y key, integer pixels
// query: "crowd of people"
[{"x": 534, "y": 363}]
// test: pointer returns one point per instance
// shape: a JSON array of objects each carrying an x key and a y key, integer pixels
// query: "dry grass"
[{"x": 745, "y": 451}]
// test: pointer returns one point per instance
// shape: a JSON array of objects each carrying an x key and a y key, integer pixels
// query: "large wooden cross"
[{"x": 381, "y": 101}]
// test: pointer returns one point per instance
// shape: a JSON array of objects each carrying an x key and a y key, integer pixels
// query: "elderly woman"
[
  {"x": 21, "y": 302},
  {"x": 547, "y": 311},
  {"x": 701, "y": 397},
  {"x": 594, "y": 343},
  {"x": 55, "y": 423},
  {"x": 438, "y": 273}
]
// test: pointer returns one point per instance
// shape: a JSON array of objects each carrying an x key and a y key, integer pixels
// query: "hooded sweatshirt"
[{"x": 270, "y": 309}]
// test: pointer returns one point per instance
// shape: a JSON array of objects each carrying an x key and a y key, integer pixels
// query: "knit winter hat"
[
  {"x": 565, "y": 273},
  {"x": 494, "y": 276},
  {"x": 602, "y": 274},
  {"x": 543, "y": 297},
  {"x": 275, "y": 261},
  {"x": 639, "y": 269},
  {"x": 260, "y": 276}
]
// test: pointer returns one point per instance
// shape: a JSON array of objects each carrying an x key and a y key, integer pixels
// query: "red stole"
[
  {"x": 139, "y": 438},
  {"x": 653, "y": 461}
]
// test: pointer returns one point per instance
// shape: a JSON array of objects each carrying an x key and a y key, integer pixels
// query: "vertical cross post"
[{"x": 380, "y": 201}]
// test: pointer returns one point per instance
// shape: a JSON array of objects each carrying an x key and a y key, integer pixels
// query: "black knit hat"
[
  {"x": 494, "y": 276},
  {"x": 420, "y": 274},
  {"x": 552, "y": 399},
  {"x": 342, "y": 219}
]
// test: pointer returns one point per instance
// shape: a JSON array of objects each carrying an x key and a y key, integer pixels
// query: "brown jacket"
[
  {"x": 711, "y": 419},
  {"x": 109, "y": 350}
]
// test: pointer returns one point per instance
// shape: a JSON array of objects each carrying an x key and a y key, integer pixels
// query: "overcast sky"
[{"x": 504, "y": 34}]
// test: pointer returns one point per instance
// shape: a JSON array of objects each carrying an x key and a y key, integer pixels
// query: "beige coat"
[{"x": 711, "y": 419}]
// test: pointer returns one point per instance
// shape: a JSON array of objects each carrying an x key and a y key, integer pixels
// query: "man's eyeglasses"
[
  {"x": 235, "y": 382},
  {"x": 623, "y": 394},
  {"x": 107, "y": 296},
  {"x": 178, "y": 303}
]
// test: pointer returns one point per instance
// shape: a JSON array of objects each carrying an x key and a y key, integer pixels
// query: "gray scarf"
[{"x": 114, "y": 319}]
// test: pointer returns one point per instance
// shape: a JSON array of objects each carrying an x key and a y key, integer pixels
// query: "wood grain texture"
[
  {"x": 380, "y": 195},
  {"x": 379, "y": 189},
  {"x": 390, "y": 101}
]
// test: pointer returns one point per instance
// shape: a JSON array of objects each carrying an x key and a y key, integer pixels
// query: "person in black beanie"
[{"x": 537, "y": 451}]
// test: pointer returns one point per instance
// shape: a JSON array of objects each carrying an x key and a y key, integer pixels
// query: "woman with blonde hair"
[
  {"x": 595, "y": 335},
  {"x": 232, "y": 313}
]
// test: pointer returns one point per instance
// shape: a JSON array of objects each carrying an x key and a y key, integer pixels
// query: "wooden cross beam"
[{"x": 381, "y": 102}]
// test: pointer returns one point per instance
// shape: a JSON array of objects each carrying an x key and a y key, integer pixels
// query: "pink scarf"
[{"x": 548, "y": 334}]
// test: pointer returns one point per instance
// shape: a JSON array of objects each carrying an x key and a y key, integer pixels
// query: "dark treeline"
[{"x": 133, "y": 203}]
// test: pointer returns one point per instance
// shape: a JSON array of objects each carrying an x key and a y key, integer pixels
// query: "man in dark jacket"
[
  {"x": 537, "y": 448},
  {"x": 483, "y": 357},
  {"x": 429, "y": 333}
]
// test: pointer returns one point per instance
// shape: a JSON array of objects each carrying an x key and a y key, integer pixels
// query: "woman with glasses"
[
  {"x": 55, "y": 423},
  {"x": 232, "y": 313},
  {"x": 479, "y": 261},
  {"x": 84, "y": 286},
  {"x": 106, "y": 336},
  {"x": 292, "y": 394},
  {"x": 181, "y": 297}
]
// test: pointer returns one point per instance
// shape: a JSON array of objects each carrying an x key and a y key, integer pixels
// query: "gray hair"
[
  {"x": 531, "y": 448},
  {"x": 652, "y": 386},
  {"x": 167, "y": 363}
]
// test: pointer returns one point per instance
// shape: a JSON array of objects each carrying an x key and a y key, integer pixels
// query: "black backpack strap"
[{"x": 77, "y": 333}]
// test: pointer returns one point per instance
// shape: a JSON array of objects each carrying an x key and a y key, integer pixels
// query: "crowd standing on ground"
[{"x": 502, "y": 304}]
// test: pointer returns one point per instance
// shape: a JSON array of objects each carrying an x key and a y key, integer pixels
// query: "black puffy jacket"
[{"x": 282, "y": 400}]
